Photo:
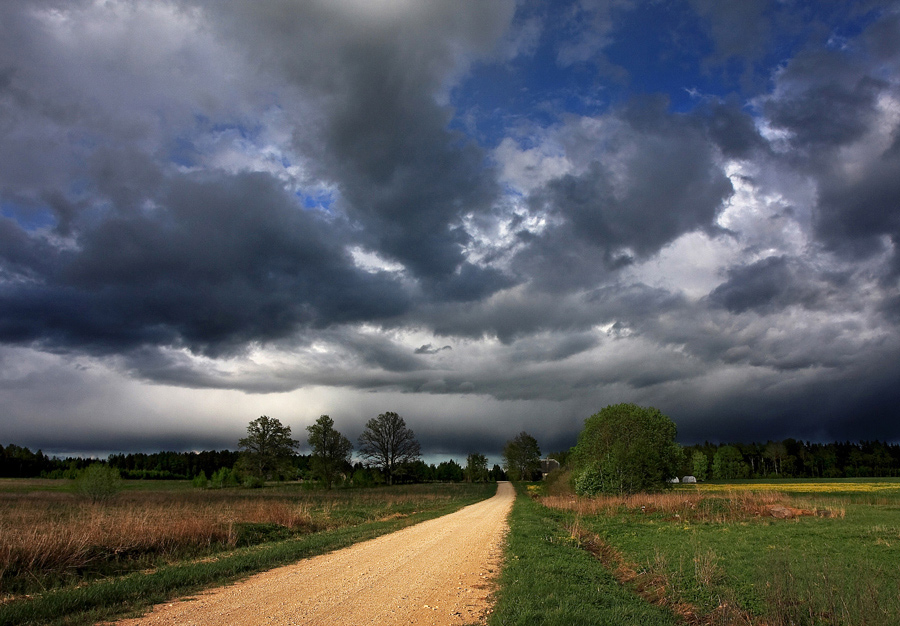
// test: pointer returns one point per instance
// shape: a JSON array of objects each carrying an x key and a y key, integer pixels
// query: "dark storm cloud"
[
  {"x": 384, "y": 141},
  {"x": 469, "y": 283},
  {"x": 882, "y": 39},
  {"x": 553, "y": 348},
  {"x": 832, "y": 100},
  {"x": 524, "y": 314},
  {"x": 259, "y": 197},
  {"x": 829, "y": 100},
  {"x": 508, "y": 315},
  {"x": 855, "y": 212},
  {"x": 766, "y": 286},
  {"x": 733, "y": 130},
  {"x": 215, "y": 262},
  {"x": 659, "y": 180},
  {"x": 221, "y": 262},
  {"x": 430, "y": 349},
  {"x": 854, "y": 405},
  {"x": 20, "y": 256}
]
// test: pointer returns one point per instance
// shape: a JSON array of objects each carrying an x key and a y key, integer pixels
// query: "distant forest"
[
  {"x": 19, "y": 462},
  {"x": 791, "y": 458}
]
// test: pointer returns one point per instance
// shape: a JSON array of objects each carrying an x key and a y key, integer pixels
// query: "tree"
[
  {"x": 700, "y": 465},
  {"x": 626, "y": 448},
  {"x": 330, "y": 450},
  {"x": 776, "y": 452},
  {"x": 266, "y": 450},
  {"x": 728, "y": 463},
  {"x": 522, "y": 457},
  {"x": 476, "y": 468},
  {"x": 449, "y": 472},
  {"x": 388, "y": 443}
]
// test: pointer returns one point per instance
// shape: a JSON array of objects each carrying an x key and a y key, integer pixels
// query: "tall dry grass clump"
[
  {"x": 692, "y": 506},
  {"x": 48, "y": 537},
  {"x": 56, "y": 534}
]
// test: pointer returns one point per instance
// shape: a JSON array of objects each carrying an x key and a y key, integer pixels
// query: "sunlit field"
[
  {"x": 849, "y": 485},
  {"x": 748, "y": 552}
]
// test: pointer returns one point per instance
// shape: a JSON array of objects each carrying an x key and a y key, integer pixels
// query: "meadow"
[
  {"x": 65, "y": 560},
  {"x": 768, "y": 553}
]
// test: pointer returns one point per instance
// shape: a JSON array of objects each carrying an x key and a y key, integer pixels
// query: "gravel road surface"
[{"x": 438, "y": 572}]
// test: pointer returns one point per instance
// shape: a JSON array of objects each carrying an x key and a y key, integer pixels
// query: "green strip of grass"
[
  {"x": 129, "y": 595},
  {"x": 806, "y": 571},
  {"x": 549, "y": 580}
]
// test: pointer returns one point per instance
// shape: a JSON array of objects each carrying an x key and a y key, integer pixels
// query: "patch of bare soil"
[{"x": 439, "y": 572}]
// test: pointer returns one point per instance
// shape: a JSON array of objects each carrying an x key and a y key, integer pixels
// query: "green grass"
[
  {"x": 29, "y": 485},
  {"x": 805, "y": 571},
  {"x": 96, "y": 600},
  {"x": 549, "y": 580}
]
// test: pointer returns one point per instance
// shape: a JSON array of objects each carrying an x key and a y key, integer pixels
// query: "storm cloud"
[{"x": 487, "y": 217}]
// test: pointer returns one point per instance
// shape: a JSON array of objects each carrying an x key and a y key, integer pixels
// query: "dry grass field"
[{"x": 54, "y": 538}]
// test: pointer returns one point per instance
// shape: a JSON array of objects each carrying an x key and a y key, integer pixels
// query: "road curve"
[{"x": 438, "y": 573}]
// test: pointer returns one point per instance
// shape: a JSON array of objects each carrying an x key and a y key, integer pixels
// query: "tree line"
[
  {"x": 389, "y": 450},
  {"x": 619, "y": 448},
  {"x": 20, "y": 462},
  {"x": 792, "y": 458}
]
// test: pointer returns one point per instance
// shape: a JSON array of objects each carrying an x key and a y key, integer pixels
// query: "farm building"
[{"x": 547, "y": 466}]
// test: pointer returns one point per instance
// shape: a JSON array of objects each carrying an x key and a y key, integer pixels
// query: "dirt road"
[{"x": 437, "y": 572}]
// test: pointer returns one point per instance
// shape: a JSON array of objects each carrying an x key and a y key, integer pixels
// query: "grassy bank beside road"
[
  {"x": 105, "y": 585},
  {"x": 549, "y": 580}
]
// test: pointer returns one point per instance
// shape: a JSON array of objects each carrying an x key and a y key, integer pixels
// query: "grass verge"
[
  {"x": 548, "y": 579},
  {"x": 129, "y": 595},
  {"x": 734, "y": 553}
]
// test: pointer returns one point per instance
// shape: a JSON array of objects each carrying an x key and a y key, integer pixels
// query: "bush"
[
  {"x": 590, "y": 481},
  {"x": 559, "y": 482},
  {"x": 254, "y": 482},
  {"x": 626, "y": 448},
  {"x": 367, "y": 478},
  {"x": 99, "y": 482},
  {"x": 224, "y": 477},
  {"x": 200, "y": 481}
]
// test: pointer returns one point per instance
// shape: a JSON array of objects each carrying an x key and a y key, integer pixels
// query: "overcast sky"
[{"x": 486, "y": 216}]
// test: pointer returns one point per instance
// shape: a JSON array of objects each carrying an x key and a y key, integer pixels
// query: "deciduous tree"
[
  {"x": 476, "y": 468},
  {"x": 330, "y": 450},
  {"x": 700, "y": 465},
  {"x": 522, "y": 457},
  {"x": 728, "y": 463},
  {"x": 266, "y": 450},
  {"x": 626, "y": 448},
  {"x": 387, "y": 443}
]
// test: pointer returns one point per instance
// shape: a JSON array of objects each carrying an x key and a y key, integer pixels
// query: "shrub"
[
  {"x": 253, "y": 482},
  {"x": 99, "y": 482},
  {"x": 367, "y": 478},
  {"x": 200, "y": 481},
  {"x": 224, "y": 477}
]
